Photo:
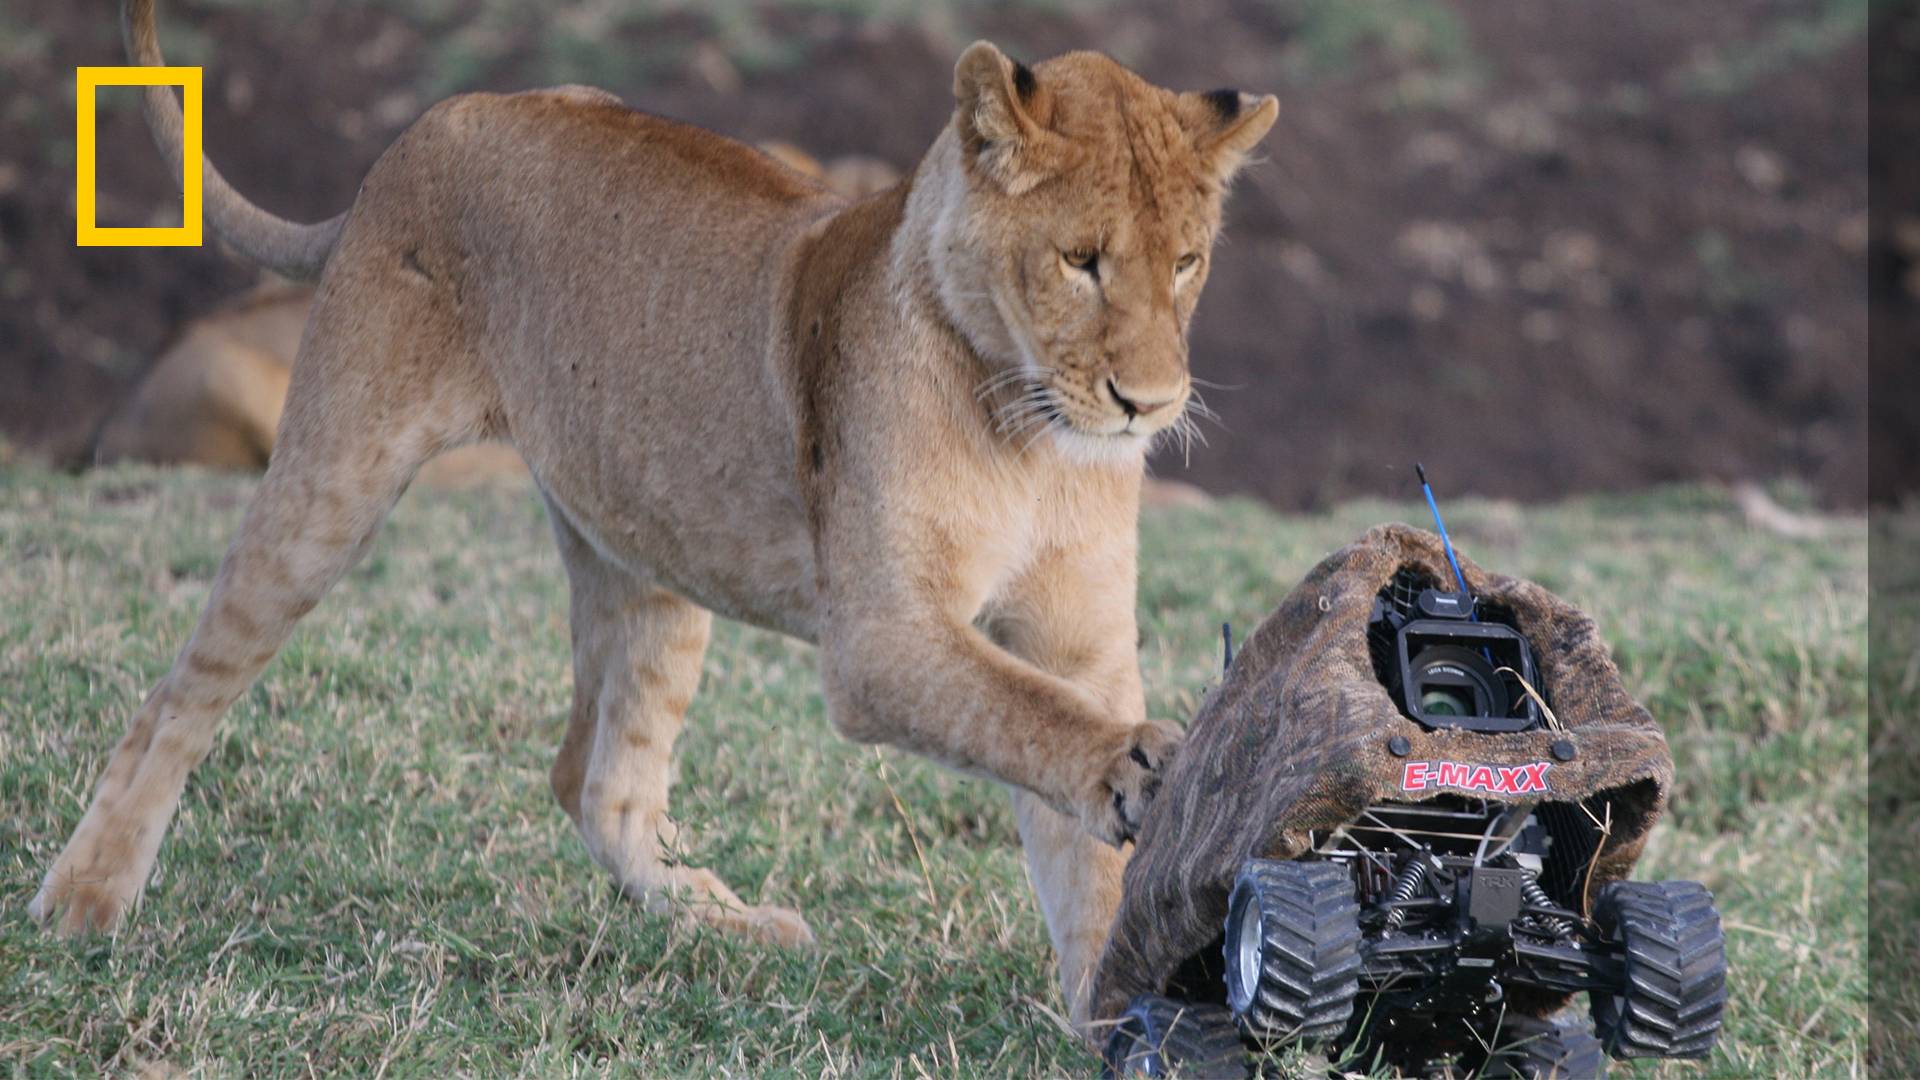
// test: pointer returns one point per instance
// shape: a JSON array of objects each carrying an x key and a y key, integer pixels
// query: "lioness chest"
[{"x": 734, "y": 535}]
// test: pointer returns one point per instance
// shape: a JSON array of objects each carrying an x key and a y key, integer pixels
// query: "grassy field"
[{"x": 368, "y": 875}]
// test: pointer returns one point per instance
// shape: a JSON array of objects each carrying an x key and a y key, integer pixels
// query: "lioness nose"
[{"x": 1136, "y": 403}]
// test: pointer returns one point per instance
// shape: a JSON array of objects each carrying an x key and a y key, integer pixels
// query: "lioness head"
[{"x": 1074, "y": 235}]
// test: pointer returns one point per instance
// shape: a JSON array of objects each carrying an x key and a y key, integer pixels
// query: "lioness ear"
[
  {"x": 1226, "y": 125},
  {"x": 995, "y": 113}
]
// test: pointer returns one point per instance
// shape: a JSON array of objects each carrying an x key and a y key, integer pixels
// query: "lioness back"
[{"x": 214, "y": 396}]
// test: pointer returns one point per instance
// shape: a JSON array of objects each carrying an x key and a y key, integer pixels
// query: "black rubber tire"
[
  {"x": 1308, "y": 953},
  {"x": 1526, "y": 1048},
  {"x": 1158, "y": 1037},
  {"x": 1676, "y": 970}
]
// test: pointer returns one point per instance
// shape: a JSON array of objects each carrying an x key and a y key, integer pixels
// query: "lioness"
[{"x": 909, "y": 429}]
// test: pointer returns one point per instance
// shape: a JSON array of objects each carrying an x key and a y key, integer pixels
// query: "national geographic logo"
[{"x": 87, "y": 81}]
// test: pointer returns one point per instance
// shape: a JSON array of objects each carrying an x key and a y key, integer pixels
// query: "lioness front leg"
[
  {"x": 1072, "y": 615},
  {"x": 937, "y": 686},
  {"x": 637, "y": 654}
]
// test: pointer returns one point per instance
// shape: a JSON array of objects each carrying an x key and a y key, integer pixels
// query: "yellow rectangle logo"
[{"x": 86, "y": 81}]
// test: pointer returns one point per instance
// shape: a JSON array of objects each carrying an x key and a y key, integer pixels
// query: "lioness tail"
[{"x": 295, "y": 250}]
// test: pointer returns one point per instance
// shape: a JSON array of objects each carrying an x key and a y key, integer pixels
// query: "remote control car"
[{"x": 1400, "y": 831}]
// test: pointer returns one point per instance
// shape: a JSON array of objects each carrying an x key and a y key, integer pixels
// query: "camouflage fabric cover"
[{"x": 1296, "y": 739}]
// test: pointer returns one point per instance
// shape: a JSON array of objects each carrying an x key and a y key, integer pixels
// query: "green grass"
[{"x": 368, "y": 874}]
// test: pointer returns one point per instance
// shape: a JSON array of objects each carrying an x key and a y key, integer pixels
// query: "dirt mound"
[{"x": 1541, "y": 248}]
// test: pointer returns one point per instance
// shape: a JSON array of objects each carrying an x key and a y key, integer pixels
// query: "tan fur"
[{"x": 889, "y": 428}]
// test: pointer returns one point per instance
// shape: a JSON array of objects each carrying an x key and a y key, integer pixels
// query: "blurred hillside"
[{"x": 1542, "y": 245}]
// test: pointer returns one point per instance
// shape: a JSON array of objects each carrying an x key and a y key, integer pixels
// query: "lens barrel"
[{"x": 1451, "y": 680}]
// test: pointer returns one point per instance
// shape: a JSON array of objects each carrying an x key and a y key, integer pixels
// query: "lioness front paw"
[{"x": 1119, "y": 801}]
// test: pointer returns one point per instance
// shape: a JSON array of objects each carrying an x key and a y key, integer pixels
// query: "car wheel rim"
[{"x": 1247, "y": 951}]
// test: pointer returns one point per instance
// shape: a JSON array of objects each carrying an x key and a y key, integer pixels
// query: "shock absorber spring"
[
  {"x": 1535, "y": 896},
  {"x": 1405, "y": 884}
]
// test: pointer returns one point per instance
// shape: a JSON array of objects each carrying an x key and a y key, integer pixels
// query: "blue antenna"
[{"x": 1445, "y": 540}]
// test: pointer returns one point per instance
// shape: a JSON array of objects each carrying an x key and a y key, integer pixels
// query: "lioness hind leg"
[
  {"x": 303, "y": 531},
  {"x": 637, "y": 650},
  {"x": 350, "y": 447}
]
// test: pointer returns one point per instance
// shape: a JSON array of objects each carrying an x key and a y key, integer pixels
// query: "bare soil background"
[{"x": 1541, "y": 245}]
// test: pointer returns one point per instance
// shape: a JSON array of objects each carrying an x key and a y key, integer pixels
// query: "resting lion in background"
[
  {"x": 854, "y": 176},
  {"x": 910, "y": 429},
  {"x": 215, "y": 395}
]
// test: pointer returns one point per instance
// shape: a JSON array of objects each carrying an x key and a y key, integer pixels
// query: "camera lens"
[
  {"x": 1445, "y": 701},
  {"x": 1450, "y": 680}
]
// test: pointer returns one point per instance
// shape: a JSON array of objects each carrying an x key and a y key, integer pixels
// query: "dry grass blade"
[{"x": 920, "y": 853}]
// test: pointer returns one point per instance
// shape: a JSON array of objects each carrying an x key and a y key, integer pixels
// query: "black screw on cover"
[
  {"x": 1400, "y": 746},
  {"x": 1562, "y": 750}
]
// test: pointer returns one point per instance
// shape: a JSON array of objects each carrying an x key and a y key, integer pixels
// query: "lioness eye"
[
  {"x": 1186, "y": 263},
  {"x": 1083, "y": 259}
]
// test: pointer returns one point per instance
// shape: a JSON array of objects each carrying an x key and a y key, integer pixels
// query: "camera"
[{"x": 1448, "y": 664}]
